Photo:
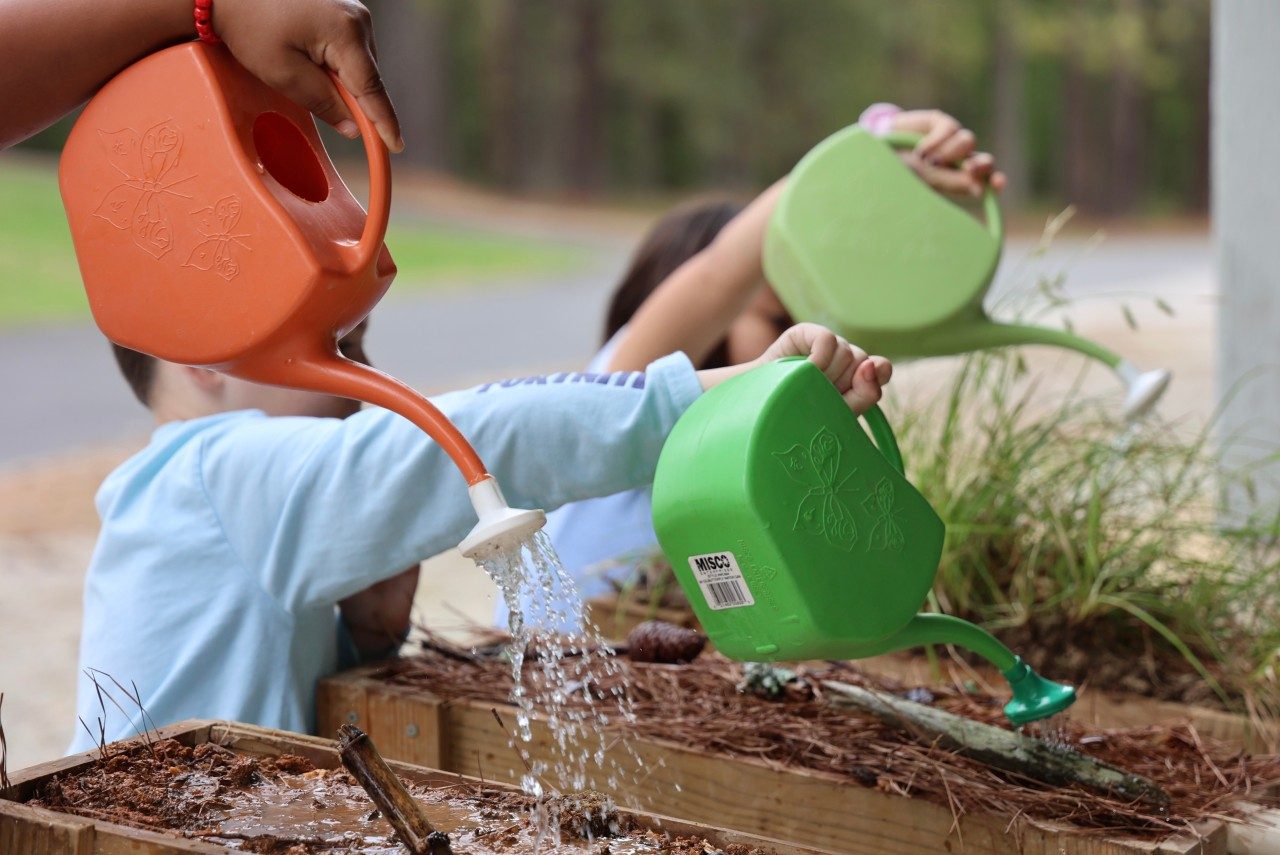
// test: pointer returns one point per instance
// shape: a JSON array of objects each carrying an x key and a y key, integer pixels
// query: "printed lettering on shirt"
[{"x": 628, "y": 379}]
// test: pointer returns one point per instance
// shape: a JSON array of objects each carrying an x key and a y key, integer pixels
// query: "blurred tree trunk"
[
  {"x": 1077, "y": 118},
  {"x": 1128, "y": 124},
  {"x": 413, "y": 55},
  {"x": 1010, "y": 90},
  {"x": 503, "y": 63},
  {"x": 1198, "y": 191},
  {"x": 586, "y": 167}
]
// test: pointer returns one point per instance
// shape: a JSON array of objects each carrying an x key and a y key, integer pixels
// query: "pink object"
[{"x": 878, "y": 118}]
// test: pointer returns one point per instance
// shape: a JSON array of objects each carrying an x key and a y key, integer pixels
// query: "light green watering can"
[
  {"x": 859, "y": 244},
  {"x": 794, "y": 537}
]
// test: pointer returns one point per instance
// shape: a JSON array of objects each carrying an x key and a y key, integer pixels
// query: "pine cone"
[{"x": 659, "y": 641}]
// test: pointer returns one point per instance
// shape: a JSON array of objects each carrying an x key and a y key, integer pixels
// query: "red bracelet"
[{"x": 204, "y": 23}]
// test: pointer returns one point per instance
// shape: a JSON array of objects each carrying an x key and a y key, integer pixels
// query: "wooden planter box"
[
  {"x": 28, "y": 830},
  {"x": 810, "y": 808},
  {"x": 1096, "y": 707}
]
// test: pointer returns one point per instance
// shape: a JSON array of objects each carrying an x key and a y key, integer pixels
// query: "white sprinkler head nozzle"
[
  {"x": 1144, "y": 388},
  {"x": 501, "y": 527}
]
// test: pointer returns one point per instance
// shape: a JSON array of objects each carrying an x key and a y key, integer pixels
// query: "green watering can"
[
  {"x": 859, "y": 244},
  {"x": 794, "y": 537}
]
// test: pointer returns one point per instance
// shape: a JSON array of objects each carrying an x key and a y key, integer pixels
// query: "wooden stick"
[
  {"x": 1003, "y": 749},
  {"x": 405, "y": 815}
]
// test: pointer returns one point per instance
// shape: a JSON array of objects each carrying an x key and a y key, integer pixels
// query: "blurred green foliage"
[
  {"x": 1098, "y": 103},
  {"x": 1101, "y": 103}
]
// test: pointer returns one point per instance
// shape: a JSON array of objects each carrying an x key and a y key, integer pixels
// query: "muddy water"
[
  {"x": 323, "y": 808},
  {"x": 283, "y": 804}
]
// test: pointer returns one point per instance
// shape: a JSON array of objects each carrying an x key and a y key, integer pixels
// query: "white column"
[{"x": 1246, "y": 219}]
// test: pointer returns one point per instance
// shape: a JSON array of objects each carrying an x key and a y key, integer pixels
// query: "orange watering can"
[{"x": 213, "y": 230}]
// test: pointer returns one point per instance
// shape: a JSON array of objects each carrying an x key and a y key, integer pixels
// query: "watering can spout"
[
  {"x": 1034, "y": 697},
  {"x": 1143, "y": 389}
]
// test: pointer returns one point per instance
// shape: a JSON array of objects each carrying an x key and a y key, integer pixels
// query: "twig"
[{"x": 366, "y": 765}]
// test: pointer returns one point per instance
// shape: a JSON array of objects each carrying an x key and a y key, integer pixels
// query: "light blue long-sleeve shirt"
[
  {"x": 227, "y": 542},
  {"x": 599, "y": 540}
]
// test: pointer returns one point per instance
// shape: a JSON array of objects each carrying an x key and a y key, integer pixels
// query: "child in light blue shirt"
[{"x": 229, "y": 540}]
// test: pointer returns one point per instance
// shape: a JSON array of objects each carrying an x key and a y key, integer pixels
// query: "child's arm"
[
  {"x": 692, "y": 310},
  {"x": 378, "y": 618},
  {"x": 318, "y": 510},
  {"x": 57, "y": 53}
]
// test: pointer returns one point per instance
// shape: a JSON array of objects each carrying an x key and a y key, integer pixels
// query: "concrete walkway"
[{"x": 64, "y": 391}]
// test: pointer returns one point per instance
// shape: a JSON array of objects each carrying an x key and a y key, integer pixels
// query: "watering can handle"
[
  {"x": 365, "y": 253},
  {"x": 990, "y": 203},
  {"x": 883, "y": 435}
]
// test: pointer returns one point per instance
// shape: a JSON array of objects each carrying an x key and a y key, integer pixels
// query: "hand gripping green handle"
[
  {"x": 990, "y": 203},
  {"x": 881, "y": 433},
  {"x": 884, "y": 438}
]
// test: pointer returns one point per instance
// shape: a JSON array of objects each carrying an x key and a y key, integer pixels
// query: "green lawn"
[{"x": 39, "y": 279}]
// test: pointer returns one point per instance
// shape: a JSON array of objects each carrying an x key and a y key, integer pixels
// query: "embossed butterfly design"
[
  {"x": 215, "y": 225},
  {"x": 822, "y": 511},
  {"x": 886, "y": 533},
  {"x": 137, "y": 203}
]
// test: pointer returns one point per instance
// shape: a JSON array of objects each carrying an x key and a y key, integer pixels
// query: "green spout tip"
[{"x": 1034, "y": 697}]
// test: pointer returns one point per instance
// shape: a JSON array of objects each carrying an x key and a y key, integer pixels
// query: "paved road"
[{"x": 61, "y": 389}]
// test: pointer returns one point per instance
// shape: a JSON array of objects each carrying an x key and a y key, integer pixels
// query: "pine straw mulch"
[{"x": 698, "y": 705}]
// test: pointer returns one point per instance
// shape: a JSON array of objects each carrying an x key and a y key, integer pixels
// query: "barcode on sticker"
[
  {"x": 721, "y": 580},
  {"x": 727, "y": 594}
]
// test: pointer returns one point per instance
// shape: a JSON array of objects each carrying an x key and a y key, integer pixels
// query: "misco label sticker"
[{"x": 721, "y": 580}]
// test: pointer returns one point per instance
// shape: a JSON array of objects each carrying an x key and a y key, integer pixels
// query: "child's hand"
[
  {"x": 947, "y": 158},
  {"x": 289, "y": 44},
  {"x": 856, "y": 376}
]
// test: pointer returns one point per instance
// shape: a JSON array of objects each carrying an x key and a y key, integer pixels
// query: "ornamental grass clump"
[{"x": 1097, "y": 550}]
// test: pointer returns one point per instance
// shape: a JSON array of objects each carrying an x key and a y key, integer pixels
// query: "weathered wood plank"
[
  {"x": 406, "y": 728},
  {"x": 33, "y": 831},
  {"x": 339, "y": 703},
  {"x": 1260, "y": 836}
]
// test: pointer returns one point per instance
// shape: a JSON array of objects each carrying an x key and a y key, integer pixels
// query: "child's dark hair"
[
  {"x": 138, "y": 369},
  {"x": 671, "y": 242}
]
